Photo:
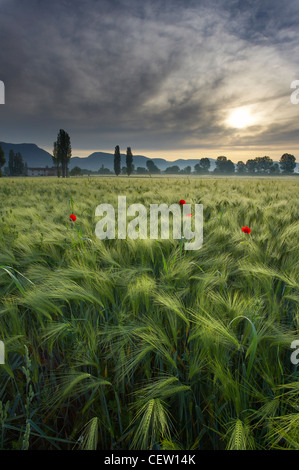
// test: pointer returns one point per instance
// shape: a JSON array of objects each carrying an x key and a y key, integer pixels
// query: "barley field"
[{"x": 139, "y": 344}]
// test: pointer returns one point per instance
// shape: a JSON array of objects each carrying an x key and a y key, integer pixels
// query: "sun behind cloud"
[{"x": 240, "y": 118}]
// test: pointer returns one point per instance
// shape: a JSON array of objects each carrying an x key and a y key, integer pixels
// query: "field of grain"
[{"x": 138, "y": 344}]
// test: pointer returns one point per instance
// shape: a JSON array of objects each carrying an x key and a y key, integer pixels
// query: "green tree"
[
  {"x": 173, "y": 170},
  {"x": 19, "y": 164},
  {"x": 220, "y": 164},
  {"x": 62, "y": 152},
  {"x": 204, "y": 165},
  {"x": 76, "y": 171},
  {"x": 263, "y": 164},
  {"x": 129, "y": 161},
  {"x": 187, "y": 170},
  {"x": 117, "y": 161},
  {"x": 198, "y": 169},
  {"x": 2, "y": 159},
  {"x": 223, "y": 165},
  {"x": 251, "y": 166},
  {"x": 287, "y": 163},
  {"x": 11, "y": 162},
  {"x": 16, "y": 164},
  {"x": 241, "y": 168},
  {"x": 152, "y": 168},
  {"x": 229, "y": 167},
  {"x": 55, "y": 160},
  {"x": 274, "y": 169},
  {"x": 141, "y": 171}
]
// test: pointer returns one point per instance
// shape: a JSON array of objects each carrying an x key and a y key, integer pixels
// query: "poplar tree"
[
  {"x": 62, "y": 152},
  {"x": 117, "y": 160},
  {"x": 55, "y": 159},
  {"x": 11, "y": 162},
  {"x": 129, "y": 161}
]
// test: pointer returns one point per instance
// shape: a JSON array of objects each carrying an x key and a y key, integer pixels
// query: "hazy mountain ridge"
[
  {"x": 94, "y": 161},
  {"x": 35, "y": 156}
]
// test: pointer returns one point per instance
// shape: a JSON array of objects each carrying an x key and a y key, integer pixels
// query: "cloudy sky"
[{"x": 170, "y": 78}]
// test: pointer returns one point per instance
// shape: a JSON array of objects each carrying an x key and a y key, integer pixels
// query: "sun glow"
[{"x": 240, "y": 118}]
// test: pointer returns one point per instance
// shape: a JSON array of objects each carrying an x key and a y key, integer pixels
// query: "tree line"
[
  {"x": 16, "y": 165},
  {"x": 62, "y": 153},
  {"x": 257, "y": 166}
]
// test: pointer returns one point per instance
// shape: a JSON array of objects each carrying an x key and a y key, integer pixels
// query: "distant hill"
[
  {"x": 35, "y": 156},
  {"x": 94, "y": 161}
]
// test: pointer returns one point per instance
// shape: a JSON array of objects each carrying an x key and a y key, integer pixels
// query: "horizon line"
[{"x": 235, "y": 155}]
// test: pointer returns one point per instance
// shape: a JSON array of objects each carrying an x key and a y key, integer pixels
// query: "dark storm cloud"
[
  {"x": 264, "y": 19},
  {"x": 160, "y": 74}
]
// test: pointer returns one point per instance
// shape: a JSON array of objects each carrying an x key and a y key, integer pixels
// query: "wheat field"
[{"x": 139, "y": 344}]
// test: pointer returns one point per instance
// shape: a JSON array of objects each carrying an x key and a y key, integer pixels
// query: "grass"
[{"x": 123, "y": 344}]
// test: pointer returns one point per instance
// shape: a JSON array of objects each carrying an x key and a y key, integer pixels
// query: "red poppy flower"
[
  {"x": 73, "y": 217},
  {"x": 188, "y": 215},
  {"x": 182, "y": 202},
  {"x": 12, "y": 181},
  {"x": 246, "y": 229}
]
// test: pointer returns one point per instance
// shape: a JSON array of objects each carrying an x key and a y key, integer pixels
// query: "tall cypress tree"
[
  {"x": 55, "y": 160},
  {"x": 117, "y": 160},
  {"x": 19, "y": 164},
  {"x": 15, "y": 163},
  {"x": 62, "y": 152},
  {"x": 129, "y": 161},
  {"x": 11, "y": 162},
  {"x": 2, "y": 159}
]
